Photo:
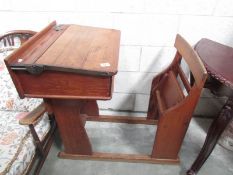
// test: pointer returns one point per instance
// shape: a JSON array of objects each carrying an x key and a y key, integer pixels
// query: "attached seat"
[{"x": 170, "y": 104}]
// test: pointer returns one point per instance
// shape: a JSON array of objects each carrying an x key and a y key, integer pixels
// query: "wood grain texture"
[
  {"x": 119, "y": 157},
  {"x": 29, "y": 51},
  {"x": 121, "y": 119},
  {"x": 192, "y": 59},
  {"x": 33, "y": 116},
  {"x": 170, "y": 91},
  {"x": 71, "y": 126},
  {"x": 87, "y": 48},
  {"x": 184, "y": 79},
  {"x": 168, "y": 103},
  {"x": 152, "y": 112},
  {"x": 172, "y": 126},
  {"x": 90, "y": 107},
  {"x": 53, "y": 84},
  {"x": 218, "y": 60}
]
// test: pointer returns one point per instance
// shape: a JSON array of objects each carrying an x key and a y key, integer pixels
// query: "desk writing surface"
[
  {"x": 79, "y": 48},
  {"x": 66, "y": 61},
  {"x": 85, "y": 48}
]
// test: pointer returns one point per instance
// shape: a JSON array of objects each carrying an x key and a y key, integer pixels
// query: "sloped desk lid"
[{"x": 69, "y": 48}]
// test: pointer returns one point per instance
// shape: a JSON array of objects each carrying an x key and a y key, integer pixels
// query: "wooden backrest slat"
[
  {"x": 14, "y": 56},
  {"x": 192, "y": 59},
  {"x": 184, "y": 79},
  {"x": 170, "y": 91},
  {"x": 161, "y": 104},
  {"x": 177, "y": 85}
]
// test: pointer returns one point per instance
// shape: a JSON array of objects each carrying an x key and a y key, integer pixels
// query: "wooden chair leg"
[
  {"x": 42, "y": 152},
  {"x": 46, "y": 146}
]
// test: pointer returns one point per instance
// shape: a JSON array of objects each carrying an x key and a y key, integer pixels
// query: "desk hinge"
[{"x": 32, "y": 69}]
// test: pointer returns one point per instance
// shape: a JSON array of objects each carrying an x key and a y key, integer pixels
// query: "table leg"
[
  {"x": 71, "y": 126},
  {"x": 214, "y": 132}
]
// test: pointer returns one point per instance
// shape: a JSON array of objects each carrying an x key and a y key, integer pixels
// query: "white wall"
[{"x": 148, "y": 31}]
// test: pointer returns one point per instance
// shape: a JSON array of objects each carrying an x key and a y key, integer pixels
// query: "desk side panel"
[{"x": 52, "y": 84}]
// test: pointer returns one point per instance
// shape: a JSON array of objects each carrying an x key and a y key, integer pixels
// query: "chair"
[
  {"x": 173, "y": 100},
  {"x": 26, "y": 137}
]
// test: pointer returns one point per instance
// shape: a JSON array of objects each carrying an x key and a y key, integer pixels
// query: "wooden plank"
[
  {"x": 177, "y": 85},
  {"x": 64, "y": 85},
  {"x": 121, "y": 119},
  {"x": 71, "y": 126},
  {"x": 161, "y": 105},
  {"x": 170, "y": 91},
  {"x": 119, "y": 157},
  {"x": 87, "y": 48},
  {"x": 193, "y": 60},
  {"x": 36, "y": 46},
  {"x": 184, "y": 79},
  {"x": 33, "y": 116}
]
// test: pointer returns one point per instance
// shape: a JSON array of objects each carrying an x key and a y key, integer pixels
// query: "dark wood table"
[{"x": 218, "y": 60}]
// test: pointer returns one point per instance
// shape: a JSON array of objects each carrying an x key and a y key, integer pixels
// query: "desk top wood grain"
[{"x": 74, "y": 48}]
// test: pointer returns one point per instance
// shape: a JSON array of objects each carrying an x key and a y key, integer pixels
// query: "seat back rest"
[
  {"x": 10, "y": 100},
  {"x": 192, "y": 59},
  {"x": 174, "y": 110},
  {"x": 169, "y": 90}
]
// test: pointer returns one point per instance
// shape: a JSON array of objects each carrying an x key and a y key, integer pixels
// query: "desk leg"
[
  {"x": 214, "y": 132},
  {"x": 90, "y": 107},
  {"x": 71, "y": 126}
]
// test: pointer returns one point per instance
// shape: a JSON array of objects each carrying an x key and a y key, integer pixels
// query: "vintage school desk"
[{"x": 72, "y": 66}]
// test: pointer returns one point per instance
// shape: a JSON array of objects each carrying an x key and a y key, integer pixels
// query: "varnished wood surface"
[
  {"x": 65, "y": 85},
  {"x": 71, "y": 126},
  {"x": 66, "y": 61},
  {"x": 35, "y": 47},
  {"x": 121, "y": 119},
  {"x": 170, "y": 106},
  {"x": 119, "y": 157},
  {"x": 171, "y": 91},
  {"x": 218, "y": 59},
  {"x": 70, "y": 48},
  {"x": 87, "y": 48},
  {"x": 33, "y": 116},
  {"x": 192, "y": 59}
]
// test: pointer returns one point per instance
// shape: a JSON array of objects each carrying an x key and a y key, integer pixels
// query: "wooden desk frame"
[{"x": 70, "y": 92}]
